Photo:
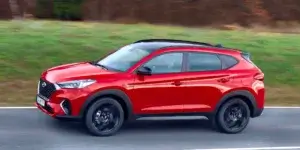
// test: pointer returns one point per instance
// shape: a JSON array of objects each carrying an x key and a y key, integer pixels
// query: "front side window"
[
  {"x": 165, "y": 63},
  {"x": 203, "y": 62},
  {"x": 124, "y": 58}
]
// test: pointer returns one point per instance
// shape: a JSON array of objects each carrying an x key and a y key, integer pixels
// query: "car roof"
[{"x": 155, "y": 44}]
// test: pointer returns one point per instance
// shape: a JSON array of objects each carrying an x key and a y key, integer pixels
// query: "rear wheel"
[
  {"x": 233, "y": 116},
  {"x": 105, "y": 117}
]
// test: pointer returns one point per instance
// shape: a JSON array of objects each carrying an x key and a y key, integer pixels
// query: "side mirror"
[{"x": 144, "y": 71}]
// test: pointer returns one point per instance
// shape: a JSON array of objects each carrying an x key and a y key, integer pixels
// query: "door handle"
[
  {"x": 176, "y": 83},
  {"x": 224, "y": 80}
]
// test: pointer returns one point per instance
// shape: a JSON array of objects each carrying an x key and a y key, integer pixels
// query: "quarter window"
[
  {"x": 227, "y": 61},
  {"x": 166, "y": 63},
  {"x": 203, "y": 62}
]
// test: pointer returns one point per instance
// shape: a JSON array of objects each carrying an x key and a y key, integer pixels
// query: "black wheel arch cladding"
[
  {"x": 110, "y": 93},
  {"x": 250, "y": 100}
]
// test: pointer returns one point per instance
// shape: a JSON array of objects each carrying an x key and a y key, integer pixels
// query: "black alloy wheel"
[
  {"x": 233, "y": 117},
  {"x": 105, "y": 117}
]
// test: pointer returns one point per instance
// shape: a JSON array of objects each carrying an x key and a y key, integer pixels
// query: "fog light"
[{"x": 66, "y": 107}]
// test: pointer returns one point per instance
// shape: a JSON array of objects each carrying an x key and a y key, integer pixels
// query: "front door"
[{"x": 160, "y": 92}]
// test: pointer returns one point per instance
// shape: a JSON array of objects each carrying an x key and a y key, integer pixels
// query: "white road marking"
[
  {"x": 282, "y": 107},
  {"x": 18, "y": 107},
  {"x": 33, "y": 107},
  {"x": 253, "y": 148}
]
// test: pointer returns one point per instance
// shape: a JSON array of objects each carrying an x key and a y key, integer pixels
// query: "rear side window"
[
  {"x": 228, "y": 61},
  {"x": 203, "y": 62}
]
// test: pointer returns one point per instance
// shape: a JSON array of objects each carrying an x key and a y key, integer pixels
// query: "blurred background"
[
  {"x": 38, "y": 34},
  {"x": 181, "y": 12}
]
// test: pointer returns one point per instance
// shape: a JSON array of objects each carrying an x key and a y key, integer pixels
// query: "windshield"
[{"x": 124, "y": 58}]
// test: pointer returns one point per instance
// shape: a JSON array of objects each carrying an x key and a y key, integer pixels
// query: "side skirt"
[{"x": 202, "y": 114}]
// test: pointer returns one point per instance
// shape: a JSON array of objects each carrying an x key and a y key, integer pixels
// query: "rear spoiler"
[{"x": 246, "y": 55}]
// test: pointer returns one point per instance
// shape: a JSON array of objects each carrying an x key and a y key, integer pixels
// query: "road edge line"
[
  {"x": 253, "y": 148},
  {"x": 282, "y": 107},
  {"x": 33, "y": 107},
  {"x": 18, "y": 107}
]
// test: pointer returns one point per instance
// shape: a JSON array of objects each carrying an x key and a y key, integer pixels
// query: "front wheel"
[
  {"x": 233, "y": 116},
  {"x": 105, "y": 117}
]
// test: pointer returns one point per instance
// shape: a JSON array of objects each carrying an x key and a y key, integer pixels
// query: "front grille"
[{"x": 46, "y": 88}]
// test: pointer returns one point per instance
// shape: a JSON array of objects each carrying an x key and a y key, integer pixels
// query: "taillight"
[{"x": 259, "y": 76}]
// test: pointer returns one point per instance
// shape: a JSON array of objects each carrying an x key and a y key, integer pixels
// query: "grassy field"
[{"x": 29, "y": 47}]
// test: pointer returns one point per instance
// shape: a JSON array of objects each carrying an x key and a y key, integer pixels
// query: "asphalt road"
[{"x": 30, "y": 129}]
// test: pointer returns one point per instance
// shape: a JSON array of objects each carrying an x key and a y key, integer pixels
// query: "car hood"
[{"x": 74, "y": 71}]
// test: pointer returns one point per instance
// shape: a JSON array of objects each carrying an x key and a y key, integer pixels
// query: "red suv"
[{"x": 156, "y": 77}]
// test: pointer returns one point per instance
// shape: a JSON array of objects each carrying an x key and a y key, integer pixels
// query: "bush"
[{"x": 67, "y": 9}]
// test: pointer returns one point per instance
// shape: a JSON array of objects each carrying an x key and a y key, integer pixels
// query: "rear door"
[{"x": 204, "y": 81}]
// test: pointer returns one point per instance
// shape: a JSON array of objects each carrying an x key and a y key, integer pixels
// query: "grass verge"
[{"x": 29, "y": 47}]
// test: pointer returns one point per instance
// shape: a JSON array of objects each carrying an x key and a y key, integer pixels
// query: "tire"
[
  {"x": 223, "y": 117},
  {"x": 100, "y": 113}
]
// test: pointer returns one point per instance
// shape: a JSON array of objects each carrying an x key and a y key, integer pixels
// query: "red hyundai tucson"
[{"x": 156, "y": 77}]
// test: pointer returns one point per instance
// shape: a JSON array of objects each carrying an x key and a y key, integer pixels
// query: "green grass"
[{"x": 29, "y": 47}]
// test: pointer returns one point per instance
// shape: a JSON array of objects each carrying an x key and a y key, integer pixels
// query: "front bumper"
[
  {"x": 63, "y": 103},
  {"x": 57, "y": 115},
  {"x": 257, "y": 112},
  {"x": 51, "y": 109}
]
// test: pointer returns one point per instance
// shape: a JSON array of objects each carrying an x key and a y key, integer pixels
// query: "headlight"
[{"x": 76, "y": 84}]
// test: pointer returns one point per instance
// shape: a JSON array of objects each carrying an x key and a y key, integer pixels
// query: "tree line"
[{"x": 181, "y": 12}]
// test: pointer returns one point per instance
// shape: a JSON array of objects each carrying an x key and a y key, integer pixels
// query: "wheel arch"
[
  {"x": 246, "y": 96},
  {"x": 116, "y": 94}
]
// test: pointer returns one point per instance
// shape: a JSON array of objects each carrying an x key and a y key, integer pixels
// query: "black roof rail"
[{"x": 178, "y": 41}]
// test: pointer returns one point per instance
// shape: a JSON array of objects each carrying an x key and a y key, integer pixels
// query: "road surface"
[{"x": 30, "y": 129}]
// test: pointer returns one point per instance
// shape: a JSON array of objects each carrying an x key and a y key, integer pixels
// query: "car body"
[{"x": 156, "y": 77}]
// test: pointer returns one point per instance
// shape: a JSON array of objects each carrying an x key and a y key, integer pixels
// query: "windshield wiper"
[
  {"x": 101, "y": 66},
  {"x": 96, "y": 64},
  {"x": 105, "y": 67}
]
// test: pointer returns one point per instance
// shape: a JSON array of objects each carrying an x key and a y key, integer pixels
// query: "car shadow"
[
  {"x": 139, "y": 126},
  {"x": 158, "y": 125}
]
